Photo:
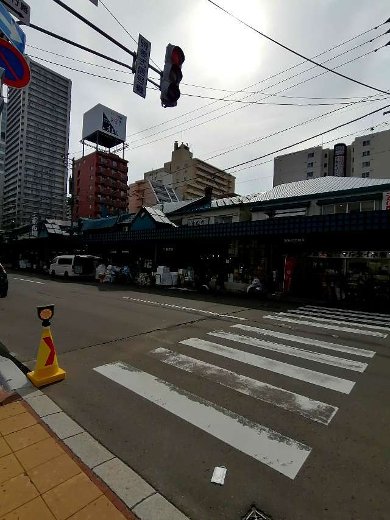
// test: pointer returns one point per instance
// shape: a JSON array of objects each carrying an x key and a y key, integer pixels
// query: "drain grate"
[{"x": 256, "y": 514}]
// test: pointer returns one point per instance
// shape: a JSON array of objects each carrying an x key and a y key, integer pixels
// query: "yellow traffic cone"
[{"x": 47, "y": 370}]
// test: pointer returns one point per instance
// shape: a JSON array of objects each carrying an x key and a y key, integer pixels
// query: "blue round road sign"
[{"x": 17, "y": 72}]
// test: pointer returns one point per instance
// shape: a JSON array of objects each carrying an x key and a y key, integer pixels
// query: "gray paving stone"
[
  {"x": 11, "y": 377},
  {"x": 43, "y": 405},
  {"x": 62, "y": 425},
  {"x": 157, "y": 507},
  {"x": 29, "y": 392},
  {"x": 88, "y": 450},
  {"x": 124, "y": 482}
]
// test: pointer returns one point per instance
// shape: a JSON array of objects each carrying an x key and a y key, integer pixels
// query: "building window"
[
  {"x": 309, "y": 175},
  {"x": 366, "y": 164},
  {"x": 366, "y": 153},
  {"x": 367, "y": 143},
  {"x": 90, "y": 187},
  {"x": 310, "y": 155},
  {"x": 365, "y": 175},
  {"x": 367, "y": 205},
  {"x": 340, "y": 208},
  {"x": 325, "y": 165},
  {"x": 310, "y": 165},
  {"x": 325, "y": 155}
]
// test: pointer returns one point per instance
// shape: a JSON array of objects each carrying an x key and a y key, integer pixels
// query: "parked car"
[
  {"x": 3, "y": 282},
  {"x": 70, "y": 266}
]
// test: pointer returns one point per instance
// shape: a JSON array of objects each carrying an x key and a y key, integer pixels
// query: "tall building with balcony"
[
  {"x": 189, "y": 176},
  {"x": 35, "y": 179},
  {"x": 3, "y": 119},
  {"x": 100, "y": 185}
]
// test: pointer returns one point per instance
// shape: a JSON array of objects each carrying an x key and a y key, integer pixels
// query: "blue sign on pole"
[
  {"x": 16, "y": 69},
  {"x": 11, "y": 29}
]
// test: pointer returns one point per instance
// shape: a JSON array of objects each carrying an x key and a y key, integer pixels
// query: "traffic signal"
[{"x": 171, "y": 76}]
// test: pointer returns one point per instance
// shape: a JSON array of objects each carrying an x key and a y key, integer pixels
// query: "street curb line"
[{"x": 149, "y": 504}]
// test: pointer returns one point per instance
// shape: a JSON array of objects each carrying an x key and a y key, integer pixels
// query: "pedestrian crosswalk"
[{"x": 274, "y": 353}]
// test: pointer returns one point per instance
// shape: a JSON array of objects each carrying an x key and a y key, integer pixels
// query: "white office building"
[
  {"x": 37, "y": 130},
  {"x": 368, "y": 156}
]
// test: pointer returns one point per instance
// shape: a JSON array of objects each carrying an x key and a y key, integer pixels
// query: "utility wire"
[
  {"x": 100, "y": 31},
  {"x": 235, "y": 101},
  {"x": 309, "y": 138},
  {"x": 78, "y": 45},
  {"x": 298, "y": 53},
  {"x": 232, "y": 102},
  {"x": 350, "y": 98},
  {"x": 230, "y": 111},
  {"x": 364, "y": 100},
  {"x": 124, "y": 28},
  {"x": 336, "y": 139}
]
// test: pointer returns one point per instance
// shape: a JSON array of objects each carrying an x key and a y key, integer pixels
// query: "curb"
[{"x": 128, "y": 492}]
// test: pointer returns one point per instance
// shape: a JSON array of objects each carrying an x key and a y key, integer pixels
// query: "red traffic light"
[
  {"x": 177, "y": 56},
  {"x": 171, "y": 75}
]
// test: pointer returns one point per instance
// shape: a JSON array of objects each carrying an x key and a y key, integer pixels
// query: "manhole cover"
[{"x": 256, "y": 514}]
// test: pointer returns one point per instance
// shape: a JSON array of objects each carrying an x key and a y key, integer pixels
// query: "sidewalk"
[
  {"x": 53, "y": 469},
  {"x": 41, "y": 480}
]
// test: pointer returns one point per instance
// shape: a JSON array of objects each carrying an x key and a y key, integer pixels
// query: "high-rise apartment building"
[
  {"x": 3, "y": 122},
  {"x": 38, "y": 117},
  {"x": 100, "y": 185},
  {"x": 368, "y": 156},
  {"x": 189, "y": 176}
]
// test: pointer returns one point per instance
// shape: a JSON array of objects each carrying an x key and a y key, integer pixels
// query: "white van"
[{"x": 70, "y": 266}]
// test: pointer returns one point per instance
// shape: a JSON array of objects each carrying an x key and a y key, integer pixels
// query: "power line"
[
  {"x": 203, "y": 97},
  {"x": 230, "y": 111},
  {"x": 309, "y": 138},
  {"x": 349, "y": 98},
  {"x": 298, "y": 53},
  {"x": 259, "y": 92},
  {"x": 78, "y": 45},
  {"x": 259, "y": 82},
  {"x": 326, "y": 142},
  {"x": 221, "y": 99},
  {"x": 100, "y": 31},
  {"x": 124, "y": 28}
]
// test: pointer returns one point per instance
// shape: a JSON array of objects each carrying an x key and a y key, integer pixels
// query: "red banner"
[{"x": 289, "y": 267}]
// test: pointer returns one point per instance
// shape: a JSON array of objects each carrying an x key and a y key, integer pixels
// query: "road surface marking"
[
  {"x": 30, "y": 281},
  {"x": 334, "y": 318},
  {"x": 278, "y": 367},
  {"x": 179, "y": 307},
  {"x": 346, "y": 311},
  {"x": 281, "y": 317},
  {"x": 307, "y": 341},
  {"x": 328, "y": 320},
  {"x": 318, "y": 357},
  {"x": 263, "y": 444},
  {"x": 296, "y": 403},
  {"x": 338, "y": 315}
]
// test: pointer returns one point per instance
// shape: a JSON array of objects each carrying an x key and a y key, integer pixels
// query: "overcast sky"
[{"x": 222, "y": 54}]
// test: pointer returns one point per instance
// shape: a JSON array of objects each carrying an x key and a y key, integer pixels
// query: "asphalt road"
[{"x": 294, "y": 405}]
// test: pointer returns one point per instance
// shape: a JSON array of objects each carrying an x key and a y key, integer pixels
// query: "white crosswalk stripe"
[
  {"x": 307, "y": 341},
  {"x": 358, "y": 317},
  {"x": 348, "y": 312},
  {"x": 309, "y": 408},
  {"x": 269, "y": 447},
  {"x": 261, "y": 442},
  {"x": 318, "y": 357},
  {"x": 287, "y": 318},
  {"x": 278, "y": 367},
  {"x": 330, "y": 318}
]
